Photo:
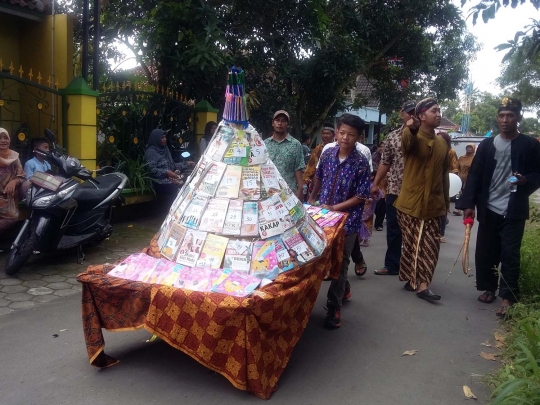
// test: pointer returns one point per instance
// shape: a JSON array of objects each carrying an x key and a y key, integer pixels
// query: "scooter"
[{"x": 65, "y": 212}]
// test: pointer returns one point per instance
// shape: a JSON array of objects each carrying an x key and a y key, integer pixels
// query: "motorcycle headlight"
[
  {"x": 65, "y": 192},
  {"x": 47, "y": 200},
  {"x": 43, "y": 201}
]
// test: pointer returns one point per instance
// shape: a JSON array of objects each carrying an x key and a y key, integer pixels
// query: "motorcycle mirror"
[
  {"x": 185, "y": 155},
  {"x": 49, "y": 135}
]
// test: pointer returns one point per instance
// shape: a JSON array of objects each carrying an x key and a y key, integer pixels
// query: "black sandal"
[
  {"x": 488, "y": 297},
  {"x": 360, "y": 269}
]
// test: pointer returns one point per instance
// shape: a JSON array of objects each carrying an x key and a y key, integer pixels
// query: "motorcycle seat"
[{"x": 88, "y": 195}]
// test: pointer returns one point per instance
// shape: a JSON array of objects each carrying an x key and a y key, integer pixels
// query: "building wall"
[
  {"x": 51, "y": 59},
  {"x": 9, "y": 40},
  {"x": 46, "y": 47}
]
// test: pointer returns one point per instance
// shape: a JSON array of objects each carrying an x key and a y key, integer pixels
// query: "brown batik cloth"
[
  {"x": 420, "y": 251},
  {"x": 247, "y": 340}
]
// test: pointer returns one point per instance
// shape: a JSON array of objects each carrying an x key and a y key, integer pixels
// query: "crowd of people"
[{"x": 405, "y": 180}]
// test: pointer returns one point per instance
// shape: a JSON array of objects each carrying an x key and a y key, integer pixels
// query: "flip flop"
[
  {"x": 360, "y": 269},
  {"x": 488, "y": 297}
]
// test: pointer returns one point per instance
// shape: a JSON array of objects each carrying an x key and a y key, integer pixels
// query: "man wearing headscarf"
[
  {"x": 423, "y": 199},
  {"x": 11, "y": 177},
  {"x": 162, "y": 167},
  {"x": 464, "y": 164},
  {"x": 505, "y": 171}
]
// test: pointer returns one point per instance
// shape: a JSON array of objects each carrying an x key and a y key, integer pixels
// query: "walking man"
[
  {"x": 423, "y": 198},
  {"x": 342, "y": 177},
  {"x": 504, "y": 172},
  {"x": 391, "y": 167},
  {"x": 286, "y": 153}
]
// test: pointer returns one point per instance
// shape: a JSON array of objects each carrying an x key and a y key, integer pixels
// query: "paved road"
[{"x": 360, "y": 363}]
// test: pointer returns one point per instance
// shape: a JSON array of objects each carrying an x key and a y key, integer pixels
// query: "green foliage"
[
  {"x": 138, "y": 174},
  {"x": 529, "y": 280},
  {"x": 530, "y": 126},
  {"x": 488, "y": 8},
  {"x": 518, "y": 381},
  {"x": 107, "y": 154},
  {"x": 484, "y": 108},
  {"x": 521, "y": 76},
  {"x": 303, "y": 56}
]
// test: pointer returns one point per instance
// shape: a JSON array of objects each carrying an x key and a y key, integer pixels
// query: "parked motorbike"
[{"x": 65, "y": 212}]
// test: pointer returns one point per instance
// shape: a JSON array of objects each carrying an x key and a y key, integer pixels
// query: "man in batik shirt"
[
  {"x": 287, "y": 154},
  {"x": 391, "y": 167}
]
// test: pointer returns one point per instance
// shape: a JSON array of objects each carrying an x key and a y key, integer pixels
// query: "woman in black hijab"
[{"x": 162, "y": 167}]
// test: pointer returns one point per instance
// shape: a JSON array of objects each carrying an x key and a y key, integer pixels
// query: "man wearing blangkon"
[{"x": 505, "y": 171}]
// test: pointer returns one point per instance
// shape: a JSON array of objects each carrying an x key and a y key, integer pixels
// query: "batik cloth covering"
[
  {"x": 420, "y": 251},
  {"x": 248, "y": 340}
]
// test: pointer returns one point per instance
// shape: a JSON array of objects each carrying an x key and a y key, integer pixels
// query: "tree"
[
  {"x": 488, "y": 8},
  {"x": 450, "y": 109},
  {"x": 303, "y": 56},
  {"x": 520, "y": 76},
  {"x": 483, "y": 112},
  {"x": 312, "y": 75},
  {"x": 530, "y": 126}
]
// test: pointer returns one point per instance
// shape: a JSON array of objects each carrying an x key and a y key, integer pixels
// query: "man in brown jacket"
[{"x": 423, "y": 198}]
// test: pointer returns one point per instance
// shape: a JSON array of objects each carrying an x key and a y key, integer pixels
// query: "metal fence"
[
  {"x": 27, "y": 108},
  {"x": 126, "y": 117}
]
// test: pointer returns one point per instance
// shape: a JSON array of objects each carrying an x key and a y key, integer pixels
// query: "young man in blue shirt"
[
  {"x": 37, "y": 163},
  {"x": 342, "y": 177}
]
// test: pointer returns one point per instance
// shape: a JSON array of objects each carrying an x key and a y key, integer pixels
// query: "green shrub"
[
  {"x": 529, "y": 281},
  {"x": 138, "y": 174},
  {"x": 518, "y": 381}
]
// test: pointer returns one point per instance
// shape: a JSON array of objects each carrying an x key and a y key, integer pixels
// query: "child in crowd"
[
  {"x": 37, "y": 163},
  {"x": 342, "y": 178}
]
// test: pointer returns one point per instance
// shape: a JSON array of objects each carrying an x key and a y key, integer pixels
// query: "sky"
[{"x": 487, "y": 66}]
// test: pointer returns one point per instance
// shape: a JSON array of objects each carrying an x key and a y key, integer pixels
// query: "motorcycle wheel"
[{"x": 19, "y": 255}]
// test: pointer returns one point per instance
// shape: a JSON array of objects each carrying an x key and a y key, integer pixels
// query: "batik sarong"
[{"x": 420, "y": 251}]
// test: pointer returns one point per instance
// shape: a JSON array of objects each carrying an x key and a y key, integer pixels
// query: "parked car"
[{"x": 460, "y": 143}]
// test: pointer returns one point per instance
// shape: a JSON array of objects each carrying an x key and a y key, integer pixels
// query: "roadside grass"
[{"x": 517, "y": 382}]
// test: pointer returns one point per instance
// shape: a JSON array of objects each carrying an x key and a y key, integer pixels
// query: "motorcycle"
[{"x": 65, "y": 212}]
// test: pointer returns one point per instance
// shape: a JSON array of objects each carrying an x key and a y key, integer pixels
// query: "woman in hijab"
[
  {"x": 162, "y": 167},
  {"x": 209, "y": 130},
  {"x": 11, "y": 177},
  {"x": 464, "y": 164}
]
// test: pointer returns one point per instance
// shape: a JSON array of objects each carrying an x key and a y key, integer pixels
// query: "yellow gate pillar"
[
  {"x": 204, "y": 113},
  {"x": 81, "y": 122}
]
